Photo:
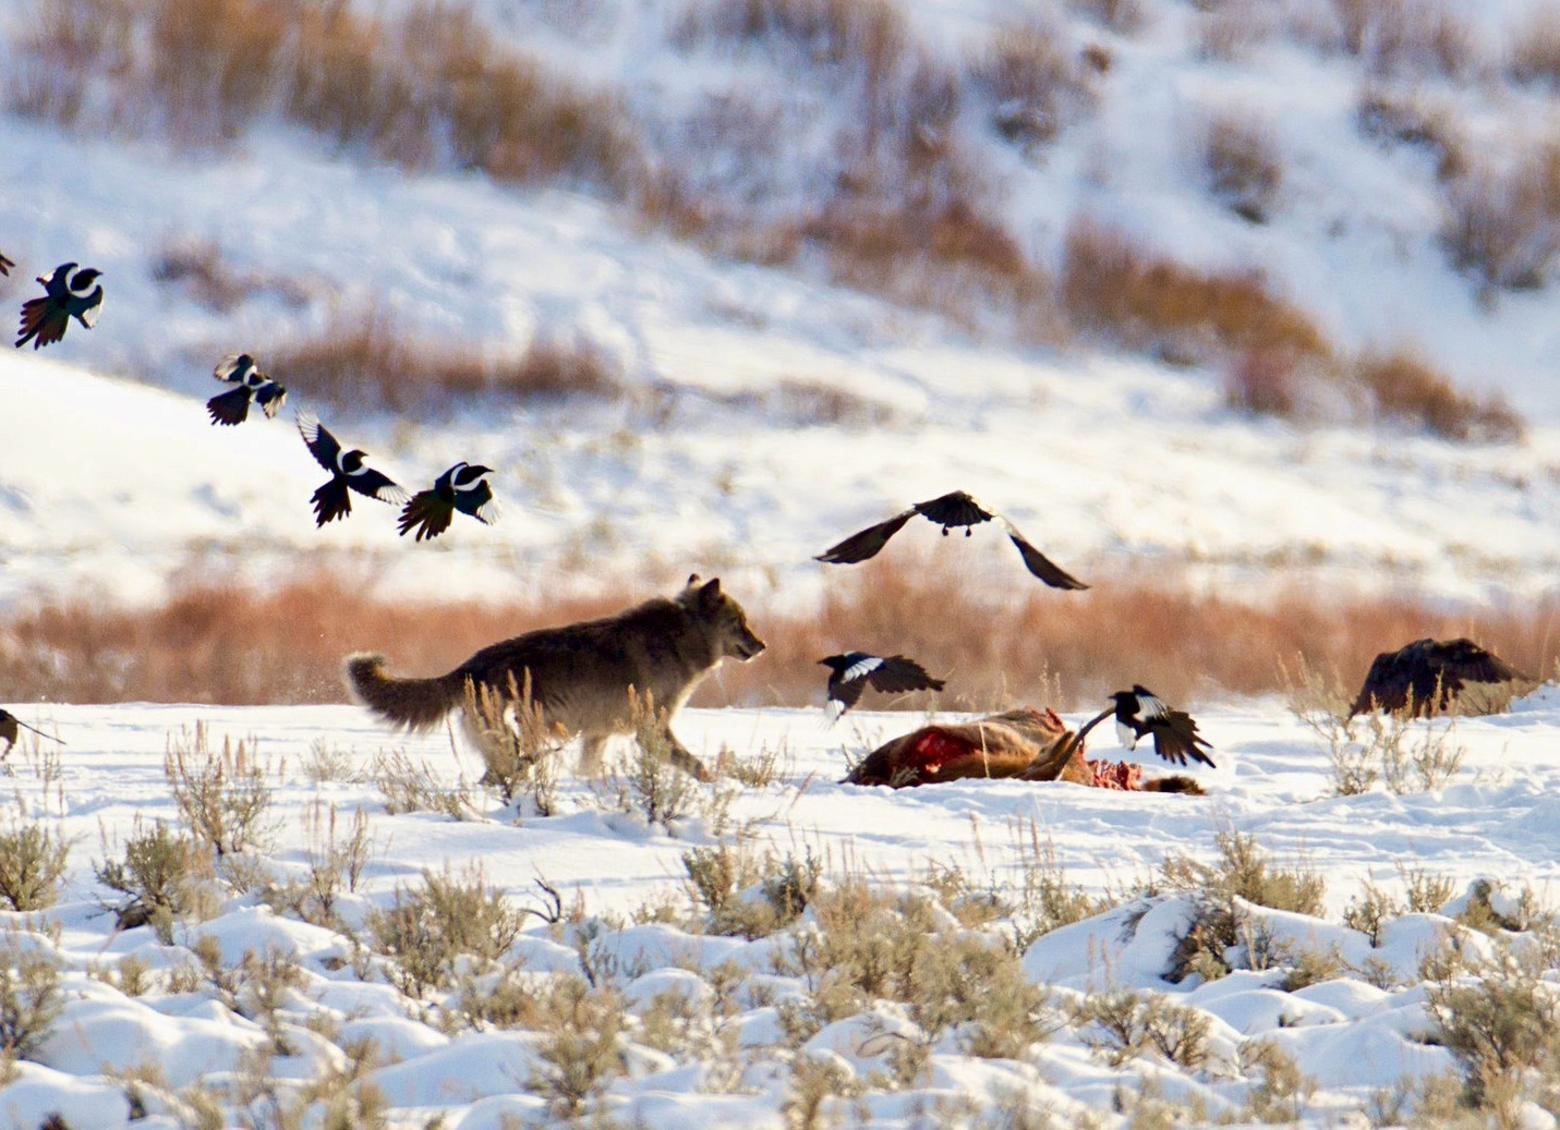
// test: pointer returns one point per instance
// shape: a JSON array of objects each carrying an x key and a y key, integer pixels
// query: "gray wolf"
[{"x": 581, "y": 674}]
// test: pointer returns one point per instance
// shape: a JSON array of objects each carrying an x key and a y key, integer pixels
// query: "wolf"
[{"x": 581, "y": 674}]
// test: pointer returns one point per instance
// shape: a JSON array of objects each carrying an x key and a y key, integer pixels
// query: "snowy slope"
[{"x": 1495, "y": 819}]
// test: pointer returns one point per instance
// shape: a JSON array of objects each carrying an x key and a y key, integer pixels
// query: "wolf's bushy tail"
[{"x": 416, "y": 704}]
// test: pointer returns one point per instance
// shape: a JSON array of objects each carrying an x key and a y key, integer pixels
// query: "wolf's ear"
[
  {"x": 693, "y": 579},
  {"x": 709, "y": 595}
]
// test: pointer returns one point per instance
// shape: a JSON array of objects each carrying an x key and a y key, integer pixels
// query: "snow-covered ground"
[{"x": 1495, "y": 819}]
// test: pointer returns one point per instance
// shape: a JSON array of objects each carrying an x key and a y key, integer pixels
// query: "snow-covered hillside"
[{"x": 133, "y": 1007}]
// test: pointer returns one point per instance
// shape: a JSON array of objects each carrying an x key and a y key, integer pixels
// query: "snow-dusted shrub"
[
  {"x": 30, "y": 1000},
  {"x": 62, "y": 53},
  {"x": 1408, "y": 37},
  {"x": 33, "y": 857},
  {"x": 582, "y": 1049},
  {"x": 1230, "y": 29},
  {"x": 869, "y": 37},
  {"x": 1122, "y": 1024},
  {"x": 427, "y": 930},
  {"x": 1037, "y": 81},
  {"x": 223, "y": 797},
  {"x": 1242, "y": 873},
  {"x": 739, "y": 891},
  {"x": 336, "y": 860},
  {"x": 1244, "y": 168},
  {"x": 1535, "y": 48},
  {"x": 1503, "y": 1025},
  {"x": 1391, "y": 116},
  {"x": 1282, "y": 1092},
  {"x": 197, "y": 267},
  {"x": 163, "y": 876},
  {"x": 409, "y": 785},
  {"x": 1118, "y": 15},
  {"x": 1503, "y": 224},
  {"x": 1405, "y": 389}
]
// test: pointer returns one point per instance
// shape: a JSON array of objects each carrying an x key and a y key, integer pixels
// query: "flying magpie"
[
  {"x": 232, "y": 407},
  {"x": 71, "y": 290},
  {"x": 9, "y": 731},
  {"x": 346, "y": 468},
  {"x": 948, "y": 511},
  {"x": 1140, "y": 713},
  {"x": 463, "y": 487},
  {"x": 6, "y": 265},
  {"x": 850, "y": 674}
]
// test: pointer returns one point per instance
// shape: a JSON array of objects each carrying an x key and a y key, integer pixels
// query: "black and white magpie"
[
  {"x": 346, "y": 468},
  {"x": 71, "y": 290},
  {"x": 850, "y": 674},
  {"x": 463, "y": 487},
  {"x": 6, "y": 265},
  {"x": 11, "y": 727},
  {"x": 231, "y": 408},
  {"x": 1140, "y": 713},
  {"x": 949, "y": 510}
]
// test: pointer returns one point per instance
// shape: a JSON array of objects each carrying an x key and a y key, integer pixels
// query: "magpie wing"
[
  {"x": 88, "y": 309},
  {"x": 1176, "y": 738},
  {"x": 843, "y": 694},
  {"x": 270, "y": 396},
  {"x": 479, "y": 503},
  {"x": 6, "y": 265},
  {"x": 898, "y": 673},
  {"x": 229, "y": 408},
  {"x": 376, "y": 485},
  {"x": 321, "y": 444},
  {"x": 234, "y": 368},
  {"x": 866, "y": 543}
]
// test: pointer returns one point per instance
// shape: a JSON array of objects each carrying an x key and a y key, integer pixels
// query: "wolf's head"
[{"x": 723, "y": 617}]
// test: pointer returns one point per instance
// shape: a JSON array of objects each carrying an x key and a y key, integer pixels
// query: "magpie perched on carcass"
[
  {"x": 71, "y": 291},
  {"x": 1140, "y": 714},
  {"x": 851, "y": 673},
  {"x": 347, "y": 470},
  {"x": 11, "y": 728},
  {"x": 948, "y": 511},
  {"x": 232, "y": 408},
  {"x": 463, "y": 487},
  {"x": 6, "y": 265}
]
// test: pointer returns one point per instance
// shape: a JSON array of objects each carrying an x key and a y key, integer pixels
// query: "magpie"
[
  {"x": 6, "y": 265},
  {"x": 949, "y": 510},
  {"x": 346, "y": 468},
  {"x": 9, "y": 731},
  {"x": 69, "y": 291},
  {"x": 463, "y": 487},
  {"x": 1140, "y": 713},
  {"x": 849, "y": 675},
  {"x": 231, "y": 408}
]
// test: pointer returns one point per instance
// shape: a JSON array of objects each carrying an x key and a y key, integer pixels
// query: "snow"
[{"x": 1350, "y": 1035}]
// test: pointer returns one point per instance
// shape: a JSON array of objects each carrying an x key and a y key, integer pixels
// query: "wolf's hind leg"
[
  {"x": 591, "y": 750},
  {"x": 684, "y": 760}
]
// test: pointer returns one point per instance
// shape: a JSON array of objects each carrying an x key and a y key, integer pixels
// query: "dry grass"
[
  {"x": 865, "y": 36},
  {"x": 1503, "y": 224},
  {"x": 197, "y": 266},
  {"x": 1118, "y": 15},
  {"x": 285, "y": 644},
  {"x": 364, "y": 360},
  {"x": 1404, "y": 388},
  {"x": 1243, "y": 166},
  {"x": 428, "y": 88},
  {"x": 1112, "y": 284}
]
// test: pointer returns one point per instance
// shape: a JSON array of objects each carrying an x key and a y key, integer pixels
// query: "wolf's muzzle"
[{"x": 749, "y": 646}]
